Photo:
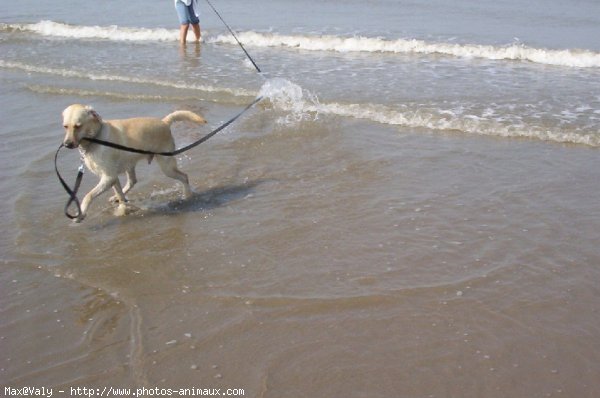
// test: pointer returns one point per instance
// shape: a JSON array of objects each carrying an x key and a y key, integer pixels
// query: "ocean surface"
[{"x": 412, "y": 210}]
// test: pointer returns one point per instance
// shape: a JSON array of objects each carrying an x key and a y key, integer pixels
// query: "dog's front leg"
[
  {"x": 131, "y": 180},
  {"x": 119, "y": 196},
  {"x": 105, "y": 183}
]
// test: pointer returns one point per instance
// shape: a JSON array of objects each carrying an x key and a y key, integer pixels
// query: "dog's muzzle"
[{"x": 70, "y": 144}]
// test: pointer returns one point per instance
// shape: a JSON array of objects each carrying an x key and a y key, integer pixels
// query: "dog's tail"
[{"x": 179, "y": 116}]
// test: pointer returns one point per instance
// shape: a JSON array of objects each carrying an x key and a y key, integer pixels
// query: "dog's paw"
[
  {"x": 115, "y": 199},
  {"x": 187, "y": 194},
  {"x": 121, "y": 210},
  {"x": 125, "y": 209}
]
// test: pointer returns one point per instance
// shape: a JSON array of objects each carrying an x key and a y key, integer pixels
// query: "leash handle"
[{"x": 71, "y": 192}]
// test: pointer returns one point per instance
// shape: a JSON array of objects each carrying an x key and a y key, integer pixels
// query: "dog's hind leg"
[{"x": 168, "y": 165}]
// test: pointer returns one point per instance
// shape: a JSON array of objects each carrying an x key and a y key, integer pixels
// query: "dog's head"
[{"x": 80, "y": 121}]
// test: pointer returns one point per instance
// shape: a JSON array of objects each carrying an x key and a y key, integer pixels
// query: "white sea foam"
[
  {"x": 112, "y": 32},
  {"x": 301, "y": 105},
  {"x": 443, "y": 120},
  {"x": 515, "y": 51}
]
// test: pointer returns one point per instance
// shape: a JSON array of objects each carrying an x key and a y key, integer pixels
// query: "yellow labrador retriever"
[{"x": 151, "y": 134}]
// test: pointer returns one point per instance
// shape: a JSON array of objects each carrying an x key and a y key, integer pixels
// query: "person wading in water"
[{"x": 188, "y": 13}]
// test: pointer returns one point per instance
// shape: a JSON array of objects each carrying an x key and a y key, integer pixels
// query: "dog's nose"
[{"x": 69, "y": 144}]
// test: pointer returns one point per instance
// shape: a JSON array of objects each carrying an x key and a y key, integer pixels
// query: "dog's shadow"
[
  {"x": 202, "y": 201},
  {"x": 211, "y": 198}
]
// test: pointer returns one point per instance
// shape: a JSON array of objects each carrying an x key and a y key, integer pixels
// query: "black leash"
[
  {"x": 177, "y": 151},
  {"x": 234, "y": 36}
]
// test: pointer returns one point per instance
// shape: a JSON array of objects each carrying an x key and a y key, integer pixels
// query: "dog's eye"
[
  {"x": 65, "y": 126},
  {"x": 78, "y": 125}
]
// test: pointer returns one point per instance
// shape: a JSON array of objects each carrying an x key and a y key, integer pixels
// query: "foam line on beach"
[
  {"x": 512, "y": 52},
  {"x": 72, "y": 73},
  {"x": 300, "y": 105},
  {"x": 54, "y": 90},
  {"x": 440, "y": 120},
  {"x": 580, "y": 58},
  {"x": 111, "y": 32}
]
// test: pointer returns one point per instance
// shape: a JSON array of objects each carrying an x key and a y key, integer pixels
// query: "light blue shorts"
[{"x": 186, "y": 14}]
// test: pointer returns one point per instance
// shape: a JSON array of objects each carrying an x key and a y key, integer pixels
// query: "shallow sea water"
[{"x": 392, "y": 223}]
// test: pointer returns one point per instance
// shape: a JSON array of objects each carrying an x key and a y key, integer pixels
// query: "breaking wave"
[
  {"x": 112, "y": 32},
  {"x": 303, "y": 105},
  {"x": 513, "y": 52},
  {"x": 580, "y": 58},
  {"x": 442, "y": 120}
]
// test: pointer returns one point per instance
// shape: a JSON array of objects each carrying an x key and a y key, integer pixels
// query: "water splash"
[{"x": 299, "y": 104}]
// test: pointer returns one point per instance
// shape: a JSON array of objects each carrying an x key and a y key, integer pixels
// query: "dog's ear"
[{"x": 93, "y": 113}]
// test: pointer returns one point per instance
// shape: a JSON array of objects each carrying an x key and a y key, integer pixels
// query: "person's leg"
[
  {"x": 196, "y": 29},
  {"x": 193, "y": 18},
  {"x": 183, "y": 16},
  {"x": 183, "y": 30}
]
